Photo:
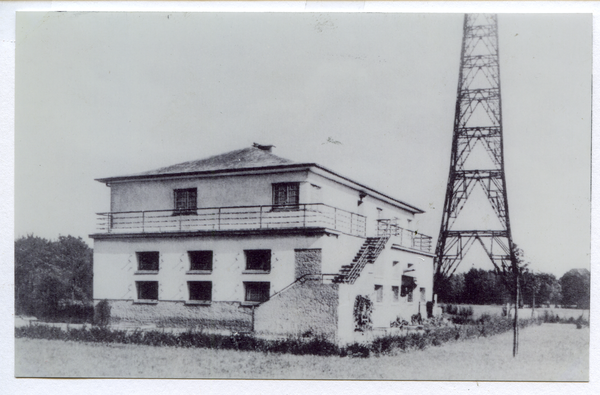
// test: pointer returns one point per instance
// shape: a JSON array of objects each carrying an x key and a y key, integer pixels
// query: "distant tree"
[
  {"x": 51, "y": 274},
  {"x": 484, "y": 287},
  {"x": 32, "y": 258},
  {"x": 549, "y": 289},
  {"x": 75, "y": 258},
  {"x": 452, "y": 289},
  {"x": 575, "y": 288}
]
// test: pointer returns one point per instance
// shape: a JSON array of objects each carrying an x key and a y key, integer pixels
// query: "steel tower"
[{"x": 477, "y": 132}]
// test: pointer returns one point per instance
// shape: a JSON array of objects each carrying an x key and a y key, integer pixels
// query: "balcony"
[
  {"x": 403, "y": 237},
  {"x": 299, "y": 216}
]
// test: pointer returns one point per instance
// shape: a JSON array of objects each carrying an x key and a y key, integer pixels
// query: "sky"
[{"x": 370, "y": 96}]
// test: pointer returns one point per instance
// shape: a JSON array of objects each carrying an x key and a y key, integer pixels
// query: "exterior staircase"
[{"x": 368, "y": 253}]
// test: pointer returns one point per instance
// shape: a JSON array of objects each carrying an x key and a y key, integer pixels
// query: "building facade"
[{"x": 249, "y": 241}]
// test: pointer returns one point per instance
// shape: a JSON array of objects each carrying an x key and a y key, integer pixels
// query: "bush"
[
  {"x": 363, "y": 309},
  {"x": 356, "y": 350},
  {"x": 102, "y": 313},
  {"x": 433, "y": 335},
  {"x": 556, "y": 319},
  {"x": 463, "y": 311}
]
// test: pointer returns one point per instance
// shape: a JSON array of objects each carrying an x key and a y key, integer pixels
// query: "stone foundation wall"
[
  {"x": 308, "y": 306},
  {"x": 216, "y": 316},
  {"x": 308, "y": 261}
]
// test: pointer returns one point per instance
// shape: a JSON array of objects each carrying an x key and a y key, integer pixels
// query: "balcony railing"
[
  {"x": 316, "y": 215},
  {"x": 404, "y": 237}
]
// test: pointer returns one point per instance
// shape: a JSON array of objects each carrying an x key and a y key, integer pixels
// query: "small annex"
[{"x": 252, "y": 242}]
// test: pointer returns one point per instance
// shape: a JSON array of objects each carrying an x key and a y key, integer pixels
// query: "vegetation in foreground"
[
  {"x": 549, "y": 352},
  {"x": 434, "y": 334}
]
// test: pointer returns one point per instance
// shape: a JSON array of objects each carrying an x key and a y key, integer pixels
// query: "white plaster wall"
[
  {"x": 253, "y": 190},
  {"x": 339, "y": 250},
  {"x": 115, "y": 264},
  {"x": 246, "y": 190},
  {"x": 384, "y": 272},
  {"x": 341, "y": 196}
]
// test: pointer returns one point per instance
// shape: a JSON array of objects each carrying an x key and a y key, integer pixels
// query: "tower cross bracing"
[{"x": 477, "y": 129}]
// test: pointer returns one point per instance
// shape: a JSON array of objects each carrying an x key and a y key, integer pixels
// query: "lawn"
[{"x": 550, "y": 352}]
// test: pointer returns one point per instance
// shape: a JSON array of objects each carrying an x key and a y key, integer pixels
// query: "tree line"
[
  {"x": 53, "y": 279},
  {"x": 478, "y": 286}
]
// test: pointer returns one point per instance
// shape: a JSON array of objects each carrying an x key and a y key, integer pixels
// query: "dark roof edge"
[
  {"x": 203, "y": 172},
  {"x": 242, "y": 169}
]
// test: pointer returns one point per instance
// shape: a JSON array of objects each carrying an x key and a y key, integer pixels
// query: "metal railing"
[
  {"x": 233, "y": 218},
  {"x": 371, "y": 252},
  {"x": 404, "y": 237},
  {"x": 323, "y": 278}
]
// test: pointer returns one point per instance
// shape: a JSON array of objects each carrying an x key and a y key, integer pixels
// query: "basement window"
[
  {"x": 200, "y": 291},
  {"x": 257, "y": 291},
  {"x": 148, "y": 261},
  {"x": 147, "y": 290},
  {"x": 200, "y": 260},
  {"x": 258, "y": 260},
  {"x": 186, "y": 201}
]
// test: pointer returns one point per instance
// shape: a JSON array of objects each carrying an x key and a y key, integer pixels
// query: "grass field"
[{"x": 551, "y": 352}]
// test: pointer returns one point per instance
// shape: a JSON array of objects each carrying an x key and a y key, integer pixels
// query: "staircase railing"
[
  {"x": 358, "y": 267},
  {"x": 303, "y": 279}
]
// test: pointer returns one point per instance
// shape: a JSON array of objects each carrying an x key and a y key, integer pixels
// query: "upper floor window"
[
  {"x": 286, "y": 194},
  {"x": 258, "y": 260},
  {"x": 200, "y": 260},
  {"x": 186, "y": 201},
  {"x": 148, "y": 260}
]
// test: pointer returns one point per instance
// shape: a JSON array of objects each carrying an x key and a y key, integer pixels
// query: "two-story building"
[{"x": 249, "y": 241}]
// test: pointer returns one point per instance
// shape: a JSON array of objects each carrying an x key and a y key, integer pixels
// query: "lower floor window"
[
  {"x": 200, "y": 290},
  {"x": 396, "y": 292},
  {"x": 408, "y": 285},
  {"x": 378, "y": 293},
  {"x": 257, "y": 291},
  {"x": 147, "y": 290}
]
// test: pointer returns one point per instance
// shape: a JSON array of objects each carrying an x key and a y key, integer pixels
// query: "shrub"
[
  {"x": 450, "y": 309},
  {"x": 363, "y": 308},
  {"x": 102, "y": 313},
  {"x": 416, "y": 319},
  {"x": 465, "y": 311},
  {"x": 316, "y": 345},
  {"x": 399, "y": 323},
  {"x": 356, "y": 350}
]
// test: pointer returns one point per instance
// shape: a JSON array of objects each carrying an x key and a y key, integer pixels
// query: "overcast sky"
[{"x": 106, "y": 94}]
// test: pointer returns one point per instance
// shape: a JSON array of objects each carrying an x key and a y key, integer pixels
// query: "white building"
[{"x": 249, "y": 241}]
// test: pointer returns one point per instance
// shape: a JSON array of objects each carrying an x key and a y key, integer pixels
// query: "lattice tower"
[{"x": 477, "y": 127}]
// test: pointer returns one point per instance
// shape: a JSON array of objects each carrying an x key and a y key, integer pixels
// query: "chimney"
[{"x": 267, "y": 148}]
